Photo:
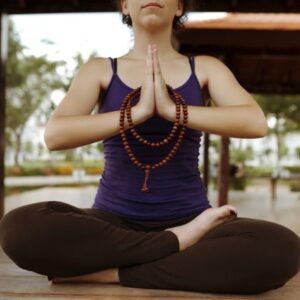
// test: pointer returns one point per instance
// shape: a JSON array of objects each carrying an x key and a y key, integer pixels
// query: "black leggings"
[{"x": 242, "y": 256}]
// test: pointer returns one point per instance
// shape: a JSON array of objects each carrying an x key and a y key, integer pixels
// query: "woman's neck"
[{"x": 162, "y": 41}]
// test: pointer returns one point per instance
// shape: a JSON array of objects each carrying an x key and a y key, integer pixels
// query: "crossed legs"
[{"x": 241, "y": 255}]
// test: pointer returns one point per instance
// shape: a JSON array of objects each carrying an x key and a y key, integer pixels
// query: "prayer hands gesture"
[{"x": 154, "y": 97}]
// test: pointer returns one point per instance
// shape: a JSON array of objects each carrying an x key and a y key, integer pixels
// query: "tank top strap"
[
  {"x": 113, "y": 62},
  {"x": 192, "y": 63}
]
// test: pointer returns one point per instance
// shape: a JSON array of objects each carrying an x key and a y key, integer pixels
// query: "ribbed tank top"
[{"x": 176, "y": 189}]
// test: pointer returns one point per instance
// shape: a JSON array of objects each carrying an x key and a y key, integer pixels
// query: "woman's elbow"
[
  {"x": 259, "y": 123},
  {"x": 47, "y": 140},
  {"x": 260, "y": 129},
  {"x": 50, "y": 139}
]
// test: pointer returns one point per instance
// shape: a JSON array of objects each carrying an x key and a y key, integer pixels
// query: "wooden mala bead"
[{"x": 126, "y": 108}]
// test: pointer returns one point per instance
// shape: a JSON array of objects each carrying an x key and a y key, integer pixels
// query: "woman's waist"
[
  {"x": 159, "y": 187},
  {"x": 175, "y": 167},
  {"x": 171, "y": 175},
  {"x": 156, "y": 208}
]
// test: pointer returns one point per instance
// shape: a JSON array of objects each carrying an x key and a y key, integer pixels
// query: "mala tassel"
[{"x": 147, "y": 173}]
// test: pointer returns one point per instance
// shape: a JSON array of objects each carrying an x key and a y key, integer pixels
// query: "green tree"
[
  {"x": 241, "y": 155},
  {"x": 286, "y": 110},
  {"x": 70, "y": 154},
  {"x": 28, "y": 148},
  {"x": 298, "y": 152},
  {"x": 30, "y": 80}
]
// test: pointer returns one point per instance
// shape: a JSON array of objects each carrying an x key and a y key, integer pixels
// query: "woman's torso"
[{"x": 175, "y": 189}]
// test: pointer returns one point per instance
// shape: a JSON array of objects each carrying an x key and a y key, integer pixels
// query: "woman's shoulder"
[
  {"x": 209, "y": 66},
  {"x": 208, "y": 61},
  {"x": 102, "y": 67},
  {"x": 203, "y": 64},
  {"x": 96, "y": 64},
  {"x": 98, "y": 61}
]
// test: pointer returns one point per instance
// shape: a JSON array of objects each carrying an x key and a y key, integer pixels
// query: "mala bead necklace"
[{"x": 126, "y": 107}]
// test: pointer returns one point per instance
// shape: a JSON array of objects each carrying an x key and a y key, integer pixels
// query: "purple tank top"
[{"x": 175, "y": 189}]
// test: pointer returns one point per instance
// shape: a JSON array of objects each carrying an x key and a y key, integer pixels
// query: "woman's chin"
[{"x": 153, "y": 26}]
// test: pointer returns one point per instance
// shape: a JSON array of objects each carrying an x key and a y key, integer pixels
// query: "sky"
[
  {"x": 84, "y": 33},
  {"x": 80, "y": 32},
  {"x": 73, "y": 33}
]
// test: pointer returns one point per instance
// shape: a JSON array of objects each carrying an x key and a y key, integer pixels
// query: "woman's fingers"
[
  {"x": 157, "y": 70},
  {"x": 149, "y": 65},
  {"x": 146, "y": 100},
  {"x": 165, "y": 106}
]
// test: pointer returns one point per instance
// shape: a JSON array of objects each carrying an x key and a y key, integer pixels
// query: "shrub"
[
  {"x": 293, "y": 169},
  {"x": 64, "y": 170},
  {"x": 258, "y": 171},
  {"x": 294, "y": 186},
  {"x": 13, "y": 171},
  {"x": 34, "y": 169},
  {"x": 94, "y": 170},
  {"x": 239, "y": 183}
]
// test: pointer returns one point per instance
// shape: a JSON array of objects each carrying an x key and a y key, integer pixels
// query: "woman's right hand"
[{"x": 146, "y": 104}]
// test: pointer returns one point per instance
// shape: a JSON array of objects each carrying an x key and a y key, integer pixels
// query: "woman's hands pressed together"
[
  {"x": 154, "y": 98},
  {"x": 163, "y": 103}
]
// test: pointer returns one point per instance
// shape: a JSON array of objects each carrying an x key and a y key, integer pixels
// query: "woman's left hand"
[{"x": 165, "y": 106}]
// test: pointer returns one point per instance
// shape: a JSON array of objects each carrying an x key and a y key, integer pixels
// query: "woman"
[{"x": 169, "y": 237}]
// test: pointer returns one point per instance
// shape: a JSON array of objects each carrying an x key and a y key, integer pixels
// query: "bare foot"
[
  {"x": 191, "y": 232},
  {"x": 103, "y": 276}
]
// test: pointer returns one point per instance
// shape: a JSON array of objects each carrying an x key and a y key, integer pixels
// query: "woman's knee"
[
  {"x": 289, "y": 244},
  {"x": 27, "y": 228},
  {"x": 271, "y": 251},
  {"x": 282, "y": 251},
  {"x": 17, "y": 228}
]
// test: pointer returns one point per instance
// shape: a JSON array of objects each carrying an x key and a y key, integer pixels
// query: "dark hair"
[{"x": 178, "y": 22}]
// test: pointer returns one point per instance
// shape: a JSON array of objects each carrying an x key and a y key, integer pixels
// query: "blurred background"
[{"x": 258, "y": 176}]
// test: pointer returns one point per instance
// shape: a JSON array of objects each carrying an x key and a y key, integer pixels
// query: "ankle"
[{"x": 181, "y": 235}]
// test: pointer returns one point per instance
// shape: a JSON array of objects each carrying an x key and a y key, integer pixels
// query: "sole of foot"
[
  {"x": 191, "y": 232},
  {"x": 103, "y": 276}
]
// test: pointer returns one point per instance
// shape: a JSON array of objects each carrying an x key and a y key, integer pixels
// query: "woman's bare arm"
[
  {"x": 72, "y": 124},
  {"x": 236, "y": 113}
]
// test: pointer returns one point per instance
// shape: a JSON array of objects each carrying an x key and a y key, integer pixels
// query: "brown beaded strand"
[
  {"x": 126, "y": 107},
  {"x": 165, "y": 140},
  {"x": 127, "y": 147},
  {"x": 157, "y": 144}
]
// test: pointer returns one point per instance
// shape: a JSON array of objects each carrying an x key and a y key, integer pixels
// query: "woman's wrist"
[
  {"x": 137, "y": 115},
  {"x": 170, "y": 114}
]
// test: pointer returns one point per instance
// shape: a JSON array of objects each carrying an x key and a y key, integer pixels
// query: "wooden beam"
[
  {"x": 206, "y": 161},
  {"x": 57, "y": 6},
  {"x": 262, "y": 40},
  {"x": 268, "y": 73},
  {"x": 260, "y": 63},
  {"x": 223, "y": 172},
  {"x": 207, "y": 102},
  {"x": 250, "y": 6},
  {"x": 3, "y": 59},
  {"x": 22, "y": 3},
  {"x": 47, "y": 6}
]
